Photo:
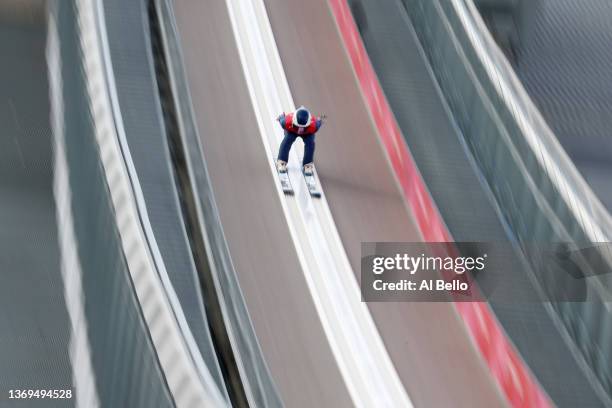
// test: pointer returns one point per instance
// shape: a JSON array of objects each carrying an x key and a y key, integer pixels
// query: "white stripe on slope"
[{"x": 359, "y": 351}]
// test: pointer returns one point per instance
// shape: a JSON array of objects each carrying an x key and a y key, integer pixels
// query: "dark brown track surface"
[{"x": 427, "y": 342}]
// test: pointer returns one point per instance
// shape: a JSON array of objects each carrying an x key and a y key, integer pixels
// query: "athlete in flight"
[{"x": 300, "y": 123}]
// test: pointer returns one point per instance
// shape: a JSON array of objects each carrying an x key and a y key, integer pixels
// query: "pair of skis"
[{"x": 311, "y": 183}]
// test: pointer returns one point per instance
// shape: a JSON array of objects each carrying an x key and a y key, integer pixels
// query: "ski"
[
  {"x": 311, "y": 182},
  {"x": 285, "y": 182}
]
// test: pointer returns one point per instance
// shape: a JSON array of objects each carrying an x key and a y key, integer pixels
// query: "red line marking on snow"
[{"x": 509, "y": 370}]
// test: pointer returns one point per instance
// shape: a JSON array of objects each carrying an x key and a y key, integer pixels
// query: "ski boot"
[
  {"x": 308, "y": 169},
  {"x": 281, "y": 166}
]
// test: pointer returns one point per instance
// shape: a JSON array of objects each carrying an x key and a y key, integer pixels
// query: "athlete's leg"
[
  {"x": 285, "y": 147},
  {"x": 309, "y": 149}
]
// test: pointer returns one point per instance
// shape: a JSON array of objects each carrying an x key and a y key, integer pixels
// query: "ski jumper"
[{"x": 292, "y": 132}]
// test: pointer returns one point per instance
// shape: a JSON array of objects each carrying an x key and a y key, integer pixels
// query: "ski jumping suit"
[{"x": 293, "y": 132}]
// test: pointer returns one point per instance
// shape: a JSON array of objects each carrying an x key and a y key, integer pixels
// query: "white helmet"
[{"x": 302, "y": 117}]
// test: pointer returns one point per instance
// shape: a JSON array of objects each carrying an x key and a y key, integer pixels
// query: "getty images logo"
[{"x": 415, "y": 264}]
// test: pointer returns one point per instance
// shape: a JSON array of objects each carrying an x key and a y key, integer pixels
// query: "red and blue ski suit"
[{"x": 293, "y": 132}]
